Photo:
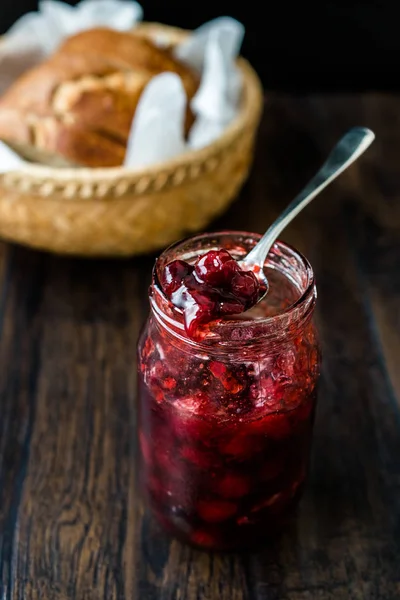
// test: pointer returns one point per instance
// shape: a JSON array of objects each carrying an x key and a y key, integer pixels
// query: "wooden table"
[{"x": 71, "y": 524}]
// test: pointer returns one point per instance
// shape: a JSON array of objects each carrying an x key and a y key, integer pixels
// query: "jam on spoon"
[
  {"x": 214, "y": 287},
  {"x": 217, "y": 285}
]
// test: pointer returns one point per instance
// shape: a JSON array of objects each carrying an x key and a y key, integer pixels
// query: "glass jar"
[{"x": 225, "y": 425}]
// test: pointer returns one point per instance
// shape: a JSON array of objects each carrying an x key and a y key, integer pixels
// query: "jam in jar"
[{"x": 226, "y": 418}]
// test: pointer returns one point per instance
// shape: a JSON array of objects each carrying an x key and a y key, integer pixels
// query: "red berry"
[
  {"x": 173, "y": 275},
  {"x": 209, "y": 268},
  {"x": 215, "y": 511},
  {"x": 200, "y": 458},
  {"x": 274, "y": 426},
  {"x": 169, "y": 383},
  {"x": 228, "y": 272},
  {"x": 242, "y": 446},
  {"x": 148, "y": 348},
  {"x": 226, "y": 377},
  {"x": 204, "y": 539},
  {"x": 218, "y": 369},
  {"x": 244, "y": 286},
  {"x": 231, "y": 307},
  {"x": 233, "y": 486},
  {"x": 191, "y": 428}
]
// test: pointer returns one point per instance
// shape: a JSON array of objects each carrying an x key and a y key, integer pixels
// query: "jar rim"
[{"x": 295, "y": 312}]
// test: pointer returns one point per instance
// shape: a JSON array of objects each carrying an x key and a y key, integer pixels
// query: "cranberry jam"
[
  {"x": 214, "y": 287},
  {"x": 225, "y": 420}
]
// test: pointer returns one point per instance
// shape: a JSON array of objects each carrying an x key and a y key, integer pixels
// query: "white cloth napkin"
[
  {"x": 157, "y": 132},
  {"x": 9, "y": 160},
  {"x": 157, "y": 129}
]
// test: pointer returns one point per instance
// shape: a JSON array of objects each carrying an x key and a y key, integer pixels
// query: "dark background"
[{"x": 332, "y": 45}]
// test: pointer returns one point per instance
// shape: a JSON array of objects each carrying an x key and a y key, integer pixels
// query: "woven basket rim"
[{"x": 249, "y": 111}]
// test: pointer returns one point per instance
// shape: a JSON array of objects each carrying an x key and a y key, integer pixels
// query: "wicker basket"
[{"x": 122, "y": 212}]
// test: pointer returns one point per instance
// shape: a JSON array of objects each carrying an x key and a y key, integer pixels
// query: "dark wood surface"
[{"x": 71, "y": 524}]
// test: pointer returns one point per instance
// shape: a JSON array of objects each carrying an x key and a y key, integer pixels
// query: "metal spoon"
[{"x": 348, "y": 149}]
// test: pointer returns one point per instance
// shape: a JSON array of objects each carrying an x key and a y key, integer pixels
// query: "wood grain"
[{"x": 71, "y": 523}]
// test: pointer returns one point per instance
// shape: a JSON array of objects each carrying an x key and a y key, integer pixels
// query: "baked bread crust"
[{"x": 76, "y": 108}]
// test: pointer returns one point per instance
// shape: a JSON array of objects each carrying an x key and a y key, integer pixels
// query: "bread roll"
[{"x": 76, "y": 108}]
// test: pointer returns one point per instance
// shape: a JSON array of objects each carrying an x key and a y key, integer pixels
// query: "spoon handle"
[{"x": 348, "y": 149}]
